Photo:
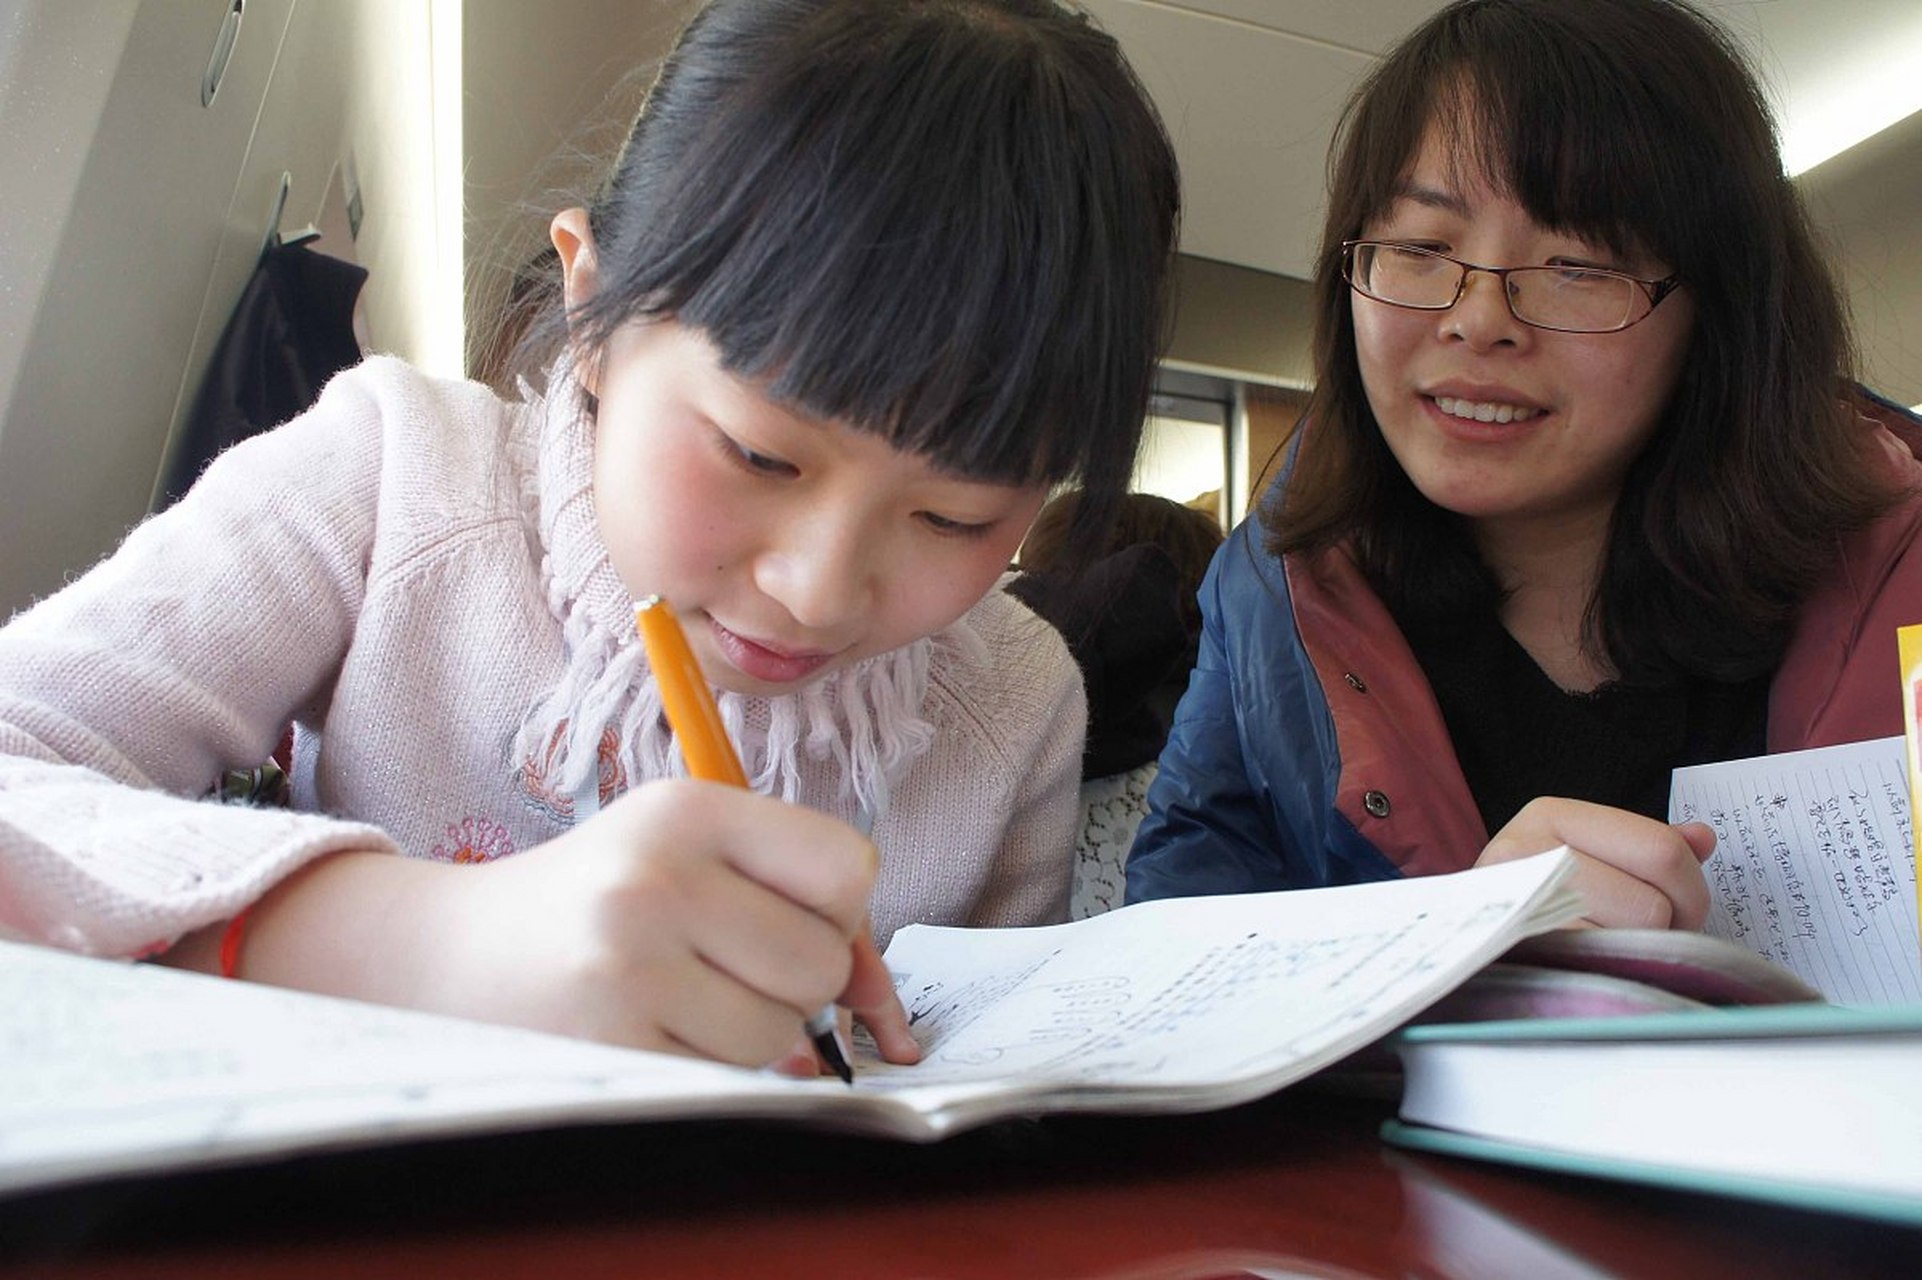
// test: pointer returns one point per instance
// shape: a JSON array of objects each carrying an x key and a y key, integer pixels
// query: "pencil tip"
[{"x": 828, "y": 1045}]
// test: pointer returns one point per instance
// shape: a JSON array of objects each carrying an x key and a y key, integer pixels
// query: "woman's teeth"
[{"x": 1484, "y": 412}]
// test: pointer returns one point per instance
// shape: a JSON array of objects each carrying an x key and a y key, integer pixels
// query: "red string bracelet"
[{"x": 230, "y": 945}]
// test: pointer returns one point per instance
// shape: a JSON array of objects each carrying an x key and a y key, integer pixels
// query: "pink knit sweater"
[{"x": 411, "y": 573}]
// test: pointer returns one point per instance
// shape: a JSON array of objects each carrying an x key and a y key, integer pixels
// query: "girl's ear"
[{"x": 574, "y": 242}]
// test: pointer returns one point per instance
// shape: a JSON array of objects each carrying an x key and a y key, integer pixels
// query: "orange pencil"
[
  {"x": 696, "y": 723},
  {"x": 685, "y": 696}
]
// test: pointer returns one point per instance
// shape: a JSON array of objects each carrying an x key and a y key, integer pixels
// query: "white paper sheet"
[
  {"x": 1814, "y": 864},
  {"x": 112, "y": 1067}
]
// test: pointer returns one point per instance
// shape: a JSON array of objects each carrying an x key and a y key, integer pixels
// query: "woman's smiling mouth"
[{"x": 1484, "y": 410}]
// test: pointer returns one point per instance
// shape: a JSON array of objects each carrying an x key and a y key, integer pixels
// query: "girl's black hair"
[
  {"x": 1633, "y": 123},
  {"x": 948, "y": 222}
]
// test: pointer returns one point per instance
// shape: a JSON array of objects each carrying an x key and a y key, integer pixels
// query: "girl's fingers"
[
  {"x": 871, "y": 996},
  {"x": 764, "y": 941},
  {"x": 808, "y": 857},
  {"x": 713, "y": 1016},
  {"x": 800, "y": 1060}
]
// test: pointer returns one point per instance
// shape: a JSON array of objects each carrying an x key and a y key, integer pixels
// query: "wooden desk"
[{"x": 1296, "y": 1186}]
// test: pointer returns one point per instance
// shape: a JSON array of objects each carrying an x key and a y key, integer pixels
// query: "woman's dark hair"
[
  {"x": 948, "y": 222},
  {"x": 1634, "y": 123}
]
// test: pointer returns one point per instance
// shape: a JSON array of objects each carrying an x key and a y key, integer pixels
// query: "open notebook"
[{"x": 1188, "y": 1004}]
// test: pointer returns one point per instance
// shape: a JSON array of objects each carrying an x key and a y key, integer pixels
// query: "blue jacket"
[{"x": 1309, "y": 750}]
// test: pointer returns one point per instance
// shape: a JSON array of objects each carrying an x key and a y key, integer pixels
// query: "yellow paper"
[{"x": 1908, "y": 642}]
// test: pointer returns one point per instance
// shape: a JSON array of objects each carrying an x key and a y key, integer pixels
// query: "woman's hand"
[
  {"x": 687, "y": 916},
  {"x": 1632, "y": 871}
]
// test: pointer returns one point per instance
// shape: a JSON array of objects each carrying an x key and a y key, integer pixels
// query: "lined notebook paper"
[
  {"x": 1814, "y": 864},
  {"x": 1183, "y": 1004}
]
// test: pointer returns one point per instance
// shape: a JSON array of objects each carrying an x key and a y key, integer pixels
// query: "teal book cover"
[
  {"x": 1903, "y": 1209},
  {"x": 1808, "y": 1104},
  {"x": 1731, "y": 1023}
]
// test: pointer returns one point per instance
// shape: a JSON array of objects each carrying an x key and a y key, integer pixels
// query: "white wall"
[
  {"x": 400, "y": 86},
  {"x": 119, "y": 188},
  {"x": 1868, "y": 202},
  {"x": 133, "y": 214},
  {"x": 550, "y": 92}
]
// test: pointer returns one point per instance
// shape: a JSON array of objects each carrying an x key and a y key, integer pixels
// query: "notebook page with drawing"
[
  {"x": 1182, "y": 1005},
  {"x": 1134, "y": 1000},
  {"x": 1814, "y": 864}
]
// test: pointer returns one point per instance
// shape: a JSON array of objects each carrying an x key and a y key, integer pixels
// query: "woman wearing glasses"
[{"x": 1583, "y": 493}]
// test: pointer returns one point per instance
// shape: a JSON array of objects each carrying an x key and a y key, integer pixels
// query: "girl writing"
[
  {"x": 868, "y": 278},
  {"x": 1584, "y": 492}
]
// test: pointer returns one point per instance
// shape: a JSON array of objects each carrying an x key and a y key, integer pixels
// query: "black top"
[{"x": 1519, "y": 735}]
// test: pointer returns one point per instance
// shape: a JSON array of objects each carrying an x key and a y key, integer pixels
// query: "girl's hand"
[
  {"x": 688, "y": 916},
  {"x": 1634, "y": 872}
]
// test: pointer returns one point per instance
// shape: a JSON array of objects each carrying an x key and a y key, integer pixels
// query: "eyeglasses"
[{"x": 1564, "y": 299}]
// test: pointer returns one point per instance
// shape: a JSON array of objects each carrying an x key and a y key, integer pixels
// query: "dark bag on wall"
[{"x": 292, "y": 329}]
